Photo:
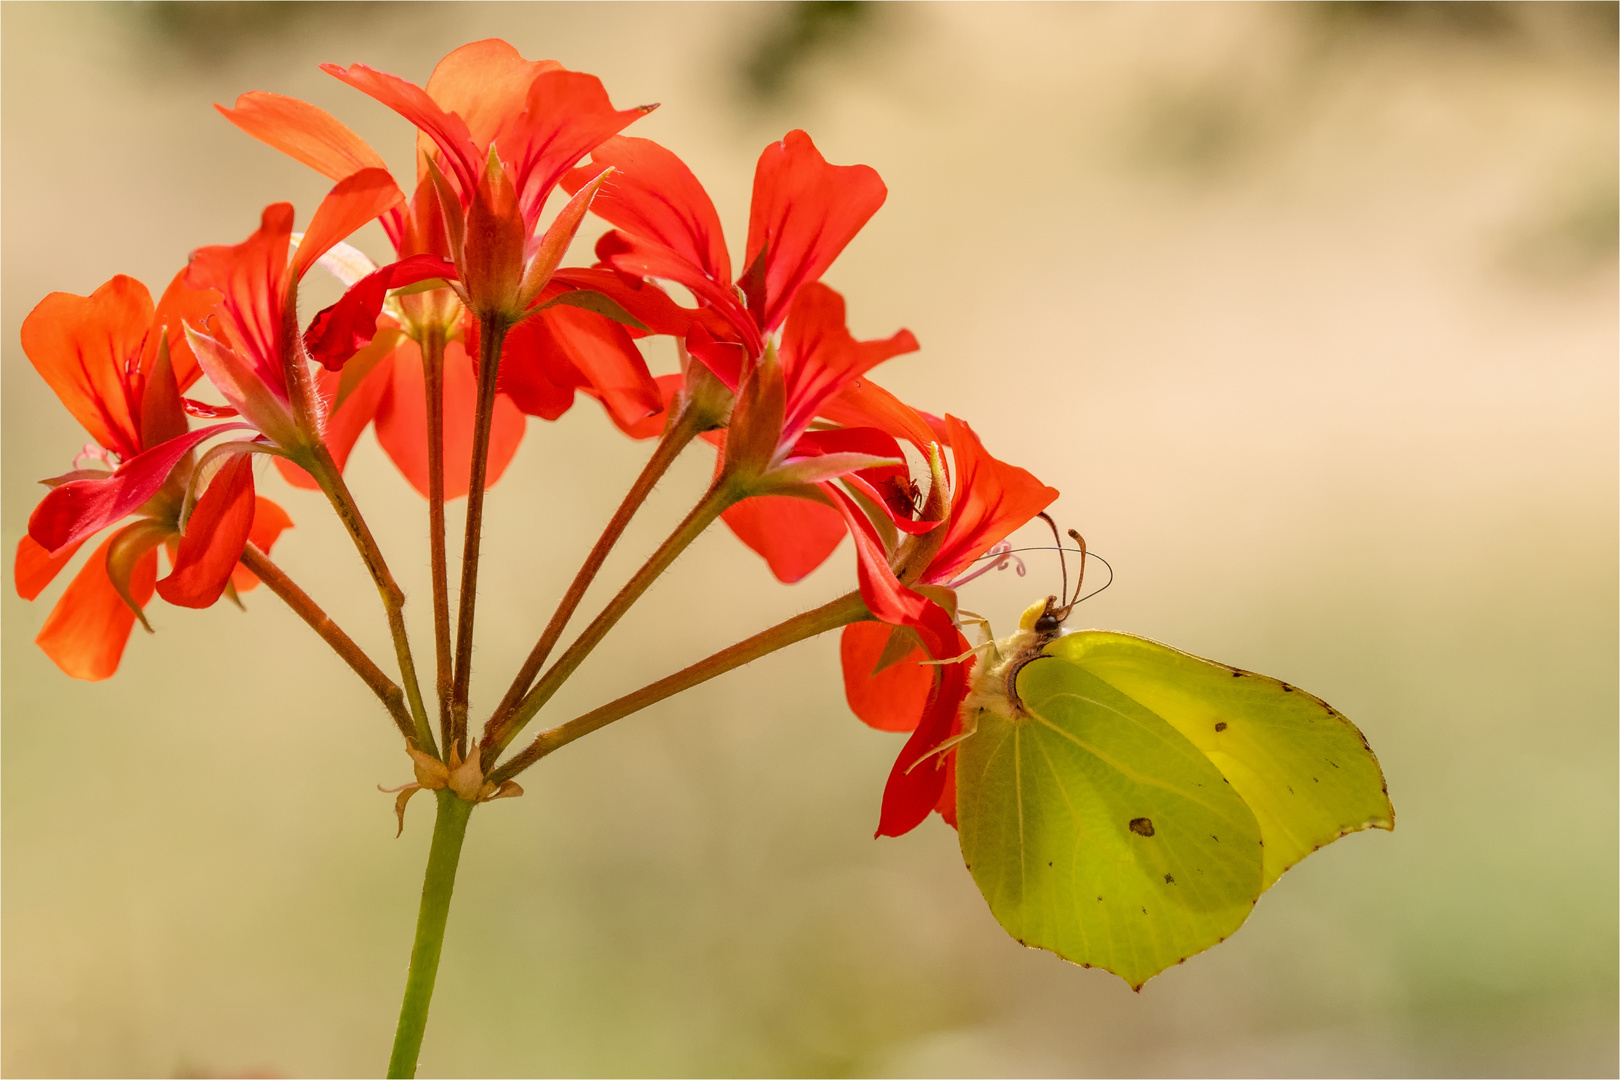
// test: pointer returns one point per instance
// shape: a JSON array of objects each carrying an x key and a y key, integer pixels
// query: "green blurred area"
[{"x": 1310, "y": 313}]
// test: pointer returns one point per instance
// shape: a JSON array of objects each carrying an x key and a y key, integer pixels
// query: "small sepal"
[
  {"x": 465, "y": 778},
  {"x": 756, "y": 421}
]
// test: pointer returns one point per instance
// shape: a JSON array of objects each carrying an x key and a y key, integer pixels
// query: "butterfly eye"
[{"x": 1050, "y": 621}]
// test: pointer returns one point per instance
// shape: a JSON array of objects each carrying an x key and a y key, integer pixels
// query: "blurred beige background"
[{"x": 1310, "y": 314}]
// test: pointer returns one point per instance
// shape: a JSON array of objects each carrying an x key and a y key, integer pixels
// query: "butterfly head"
[{"x": 1046, "y": 617}]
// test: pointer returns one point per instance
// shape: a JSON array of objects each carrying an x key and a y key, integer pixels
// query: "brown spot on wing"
[{"x": 1142, "y": 826}]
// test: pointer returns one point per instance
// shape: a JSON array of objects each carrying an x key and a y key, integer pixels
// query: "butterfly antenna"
[
  {"x": 1080, "y": 581},
  {"x": 1062, "y": 561}
]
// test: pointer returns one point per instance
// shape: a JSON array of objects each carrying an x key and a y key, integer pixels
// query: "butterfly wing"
[
  {"x": 1302, "y": 768},
  {"x": 1096, "y": 829}
]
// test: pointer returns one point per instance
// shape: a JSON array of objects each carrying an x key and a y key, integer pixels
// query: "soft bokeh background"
[{"x": 1309, "y": 312}]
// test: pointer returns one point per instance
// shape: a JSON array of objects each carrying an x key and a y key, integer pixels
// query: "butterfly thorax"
[{"x": 994, "y": 686}]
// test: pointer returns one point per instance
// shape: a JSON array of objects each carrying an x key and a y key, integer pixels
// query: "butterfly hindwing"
[{"x": 1096, "y": 830}]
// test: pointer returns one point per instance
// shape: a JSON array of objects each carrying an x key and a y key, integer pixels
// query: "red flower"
[
  {"x": 534, "y": 121},
  {"x": 477, "y": 95},
  {"x": 253, "y": 352},
  {"x": 804, "y": 213},
  {"x": 908, "y": 583},
  {"x": 121, "y": 366},
  {"x": 797, "y": 529}
]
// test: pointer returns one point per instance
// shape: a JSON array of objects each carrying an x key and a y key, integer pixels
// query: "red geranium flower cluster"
[{"x": 472, "y": 325}]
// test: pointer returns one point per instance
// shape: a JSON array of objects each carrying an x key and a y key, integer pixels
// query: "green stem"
[
  {"x": 840, "y": 612},
  {"x": 491, "y": 334},
  {"x": 719, "y": 496},
  {"x": 674, "y": 440},
  {"x": 449, "y": 829},
  {"x": 432, "y": 347}
]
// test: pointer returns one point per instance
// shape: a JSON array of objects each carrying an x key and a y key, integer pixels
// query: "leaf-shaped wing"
[
  {"x": 1095, "y": 829},
  {"x": 1302, "y": 768}
]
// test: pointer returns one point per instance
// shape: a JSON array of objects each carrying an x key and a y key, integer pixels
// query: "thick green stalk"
[
  {"x": 830, "y": 616},
  {"x": 449, "y": 829}
]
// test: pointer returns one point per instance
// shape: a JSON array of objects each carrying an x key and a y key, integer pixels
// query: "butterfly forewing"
[{"x": 1302, "y": 768}]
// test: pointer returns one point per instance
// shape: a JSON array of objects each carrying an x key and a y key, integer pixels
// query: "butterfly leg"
[{"x": 970, "y": 727}]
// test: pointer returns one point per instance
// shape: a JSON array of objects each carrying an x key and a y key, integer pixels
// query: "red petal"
[
  {"x": 649, "y": 259},
  {"x": 863, "y": 403},
  {"x": 725, "y": 359},
  {"x": 78, "y": 508},
  {"x": 269, "y": 522},
  {"x": 346, "y": 421},
  {"x": 804, "y": 212},
  {"x": 820, "y": 357},
  {"x": 422, "y": 225},
  {"x": 989, "y": 500},
  {"x": 84, "y": 347},
  {"x": 296, "y": 475},
  {"x": 251, "y": 278},
  {"x": 163, "y": 410},
  {"x": 887, "y": 485},
  {"x": 301, "y": 131},
  {"x": 86, "y": 632},
  {"x": 641, "y": 300},
  {"x": 567, "y": 114},
  {"x": 650, "y": 427},
  {"x": 535, "y": 371},
  {"x": 794, "y": 535},
  {"x": 562, "y": 349},
  {"x": 351, "y": 203},
  {"x": 485, "y": 83},
  {"x": 612, "y": 368},
  {"x": 180, "y": 306},
  {"x": 214, "y": 537},
  {"x": 882, "y": 592},
  {"x": 917, "y": 780},
  {"x": 343, "y": 329},
  {"x": 36, "y": 568},
  {"x": 447, "y": 130},
  {"x": 892, "y": 699},
  {"x": 653, "y": 195},
  {"x": 402, "y": 422},
  {"x": 255, "y": 389}
]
